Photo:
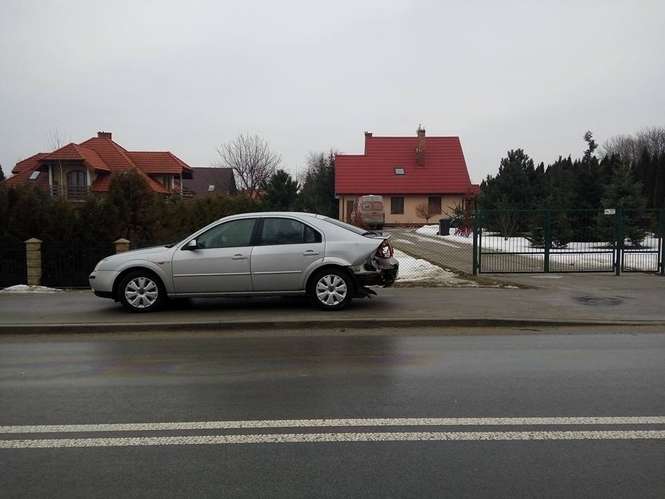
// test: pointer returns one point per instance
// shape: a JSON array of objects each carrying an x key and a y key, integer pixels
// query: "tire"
[
  {"x": 141, "y": 291},
  {"x": 330, "y": 289}
]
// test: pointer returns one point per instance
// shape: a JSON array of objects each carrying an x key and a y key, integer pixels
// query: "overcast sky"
[{"x": 186, "y": 76}]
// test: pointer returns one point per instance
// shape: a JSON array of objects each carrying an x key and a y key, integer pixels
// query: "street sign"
[{"x": 610, "y": 211}]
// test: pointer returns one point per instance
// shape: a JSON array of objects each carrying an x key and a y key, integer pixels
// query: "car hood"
[{"x": 154, "y": 253}]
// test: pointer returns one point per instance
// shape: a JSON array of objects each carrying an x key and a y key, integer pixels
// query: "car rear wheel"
[
  {"x": 331, "y": 289},
  {"x": 141, "y": 292}
]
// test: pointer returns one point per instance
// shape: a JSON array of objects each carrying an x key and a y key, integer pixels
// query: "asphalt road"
[{"x": 258, "y": 410}]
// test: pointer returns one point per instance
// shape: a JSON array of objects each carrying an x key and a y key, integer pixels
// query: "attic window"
[
  {"x": 211, "y": 187},
  {"x": 400, "y": 171},
  {"x": 34, "y": 175}
]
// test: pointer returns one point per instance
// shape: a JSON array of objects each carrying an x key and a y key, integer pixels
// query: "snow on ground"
[
  {"x": 428, "y": 230},
  {"x": 24, "y": 288},
  {"x": 563, "y": 256},
  {"x": 416, "y": 269}
]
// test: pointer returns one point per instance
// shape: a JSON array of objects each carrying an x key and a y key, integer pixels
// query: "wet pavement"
[
  {"x": 570, "y": 297},
  {"x": 208, "y": 377}
]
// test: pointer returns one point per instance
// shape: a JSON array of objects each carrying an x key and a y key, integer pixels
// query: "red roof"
[
  {"x": 158, "y": 162},
  {"x": 444, "y": 170},
  {"x": 73, "y": 152},
  {"x": 105, "y": 156},
  {"x": 103, "y": 182},
  {"x": 29, "y": 164}
]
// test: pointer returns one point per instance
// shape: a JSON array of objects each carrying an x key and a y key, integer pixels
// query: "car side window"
[
  {"x": 228, "y": 235},
  {"x": 287, "y": 231}
]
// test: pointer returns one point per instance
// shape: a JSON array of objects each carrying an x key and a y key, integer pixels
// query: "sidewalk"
[{"x": 556, "y": 299}]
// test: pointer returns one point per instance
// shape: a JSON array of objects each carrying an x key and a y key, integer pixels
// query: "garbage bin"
[{"x": 444, "y": 226}]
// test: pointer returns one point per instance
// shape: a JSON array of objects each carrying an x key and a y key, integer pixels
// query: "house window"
[
  {"x": 34, "y": 175},
  {"x": 397, "y": 205},
  {"x": 400, "y": 171},
  {"x": 434, "y": 205}
]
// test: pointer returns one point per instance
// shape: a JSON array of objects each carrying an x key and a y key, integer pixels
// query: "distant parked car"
[
  {"x": 368, "y": 212},
  {"x": 253, "y": 254}
]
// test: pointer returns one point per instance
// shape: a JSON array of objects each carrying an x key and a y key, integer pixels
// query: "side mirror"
[{"x": 191, "y": 245}]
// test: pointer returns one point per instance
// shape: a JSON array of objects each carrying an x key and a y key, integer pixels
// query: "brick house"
[
  {"x": 75, "y": 170},
  {"x": 408, "y": 172}
]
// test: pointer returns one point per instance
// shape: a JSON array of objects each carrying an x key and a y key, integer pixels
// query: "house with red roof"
[
  {"x": 411, "y": 173},
  {"x": 75, "y": 170}
]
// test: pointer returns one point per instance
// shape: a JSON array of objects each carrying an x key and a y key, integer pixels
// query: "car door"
[
  {"x": 285, "y": 248},
  {"x": 220, "y": 263}
]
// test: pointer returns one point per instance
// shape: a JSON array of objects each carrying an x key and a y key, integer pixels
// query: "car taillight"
[{"x": 385, "y": 250}]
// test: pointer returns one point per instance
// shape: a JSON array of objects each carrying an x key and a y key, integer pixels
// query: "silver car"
[{"x": 253, "y": 254}]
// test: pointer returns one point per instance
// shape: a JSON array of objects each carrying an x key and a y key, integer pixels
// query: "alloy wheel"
[
  {"x": 141, "y": 292},
  {"x": 331, "y": 289}
]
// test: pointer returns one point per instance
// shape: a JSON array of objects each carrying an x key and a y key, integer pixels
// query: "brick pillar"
[
  {"x": 33, "y": 259},
  {"x": 121, "y": 245}
]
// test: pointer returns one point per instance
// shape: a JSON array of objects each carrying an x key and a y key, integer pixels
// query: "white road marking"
[
  {"x": 331, "y": 437},
  {"x": 324, "y": 423}
]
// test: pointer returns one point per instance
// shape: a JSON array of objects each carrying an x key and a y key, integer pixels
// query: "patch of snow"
[
  {"x": 428, "y": 230},
  {"x": 24, "y": 288},
  {"x": 416, "y": 269}
]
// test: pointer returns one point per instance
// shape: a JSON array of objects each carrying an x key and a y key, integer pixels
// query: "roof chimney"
[
  {"x": 420, "y": 146},
  {"x": 368, "y": 135},
  {"x": 105, "y": 135}
]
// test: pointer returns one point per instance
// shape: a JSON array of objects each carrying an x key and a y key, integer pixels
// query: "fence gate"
[
  {"x": 12, "y": 262},
  {"x": 531, "y": 241},
  {"x": 68, "y": 264},
  {"x": 647, "y": 226}
]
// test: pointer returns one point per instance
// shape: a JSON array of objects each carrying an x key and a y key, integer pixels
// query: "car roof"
[{"x": 280, "y": 214}]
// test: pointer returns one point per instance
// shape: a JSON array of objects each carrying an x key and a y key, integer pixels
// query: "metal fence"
[
  {"x": 529, "y": 241},
  {"x": 12, "y": 262},
  {"x": 68, "y": 264}
]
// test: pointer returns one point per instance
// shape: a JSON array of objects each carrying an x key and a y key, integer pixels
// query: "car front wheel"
[
  {"x": 331, "y": 289},
  {"x": 141, "y": 292}
]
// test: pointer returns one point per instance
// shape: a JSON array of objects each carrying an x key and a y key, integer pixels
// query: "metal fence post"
[
  {"x": 661, "y": 240},
  {"x": 33, "y": 260},
  {"x": 619, "y": 240},
  {"x": 547, "y": 237},
  {"x": 474, "y": 262}
]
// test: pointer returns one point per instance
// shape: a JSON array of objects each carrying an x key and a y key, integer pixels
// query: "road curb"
[{"x": 6, "y": 329}]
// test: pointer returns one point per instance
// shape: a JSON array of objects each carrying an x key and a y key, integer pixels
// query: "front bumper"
[{"x": 101, "y": 282}]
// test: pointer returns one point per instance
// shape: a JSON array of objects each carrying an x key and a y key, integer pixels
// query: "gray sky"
[{"x": 310, "y": 76}]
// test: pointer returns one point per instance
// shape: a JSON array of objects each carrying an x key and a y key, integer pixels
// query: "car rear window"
[{"x": 352, "y": 228}]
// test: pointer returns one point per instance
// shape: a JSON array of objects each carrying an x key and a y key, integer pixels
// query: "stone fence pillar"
[
  {"x": 121, "y": 245},
  {"x": 33, "y": 260}
]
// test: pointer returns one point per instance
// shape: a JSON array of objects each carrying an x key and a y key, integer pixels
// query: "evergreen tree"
[
  {"x": 281, "y": 192},
  {"x": 134, "y": 203},
  {"x": 2, "y": 174},
  {"x": 624, "y": 193},
  {"x": 318, "y": 186}
]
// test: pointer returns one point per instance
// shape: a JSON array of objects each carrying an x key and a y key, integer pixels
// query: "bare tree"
[
  {"x": 55, "y": 139},
  {"x": 251, "y": 159},
  {"x": 423, "y": 211},
  {"x": 629, "y": 147}
]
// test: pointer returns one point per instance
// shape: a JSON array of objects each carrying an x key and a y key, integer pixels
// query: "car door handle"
[
  {"x": 239, "y": 257},
  {"x": 310, "y": 253}
]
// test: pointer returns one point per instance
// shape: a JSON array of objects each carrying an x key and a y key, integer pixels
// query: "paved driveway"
[{"x": 447, "y": 254}]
